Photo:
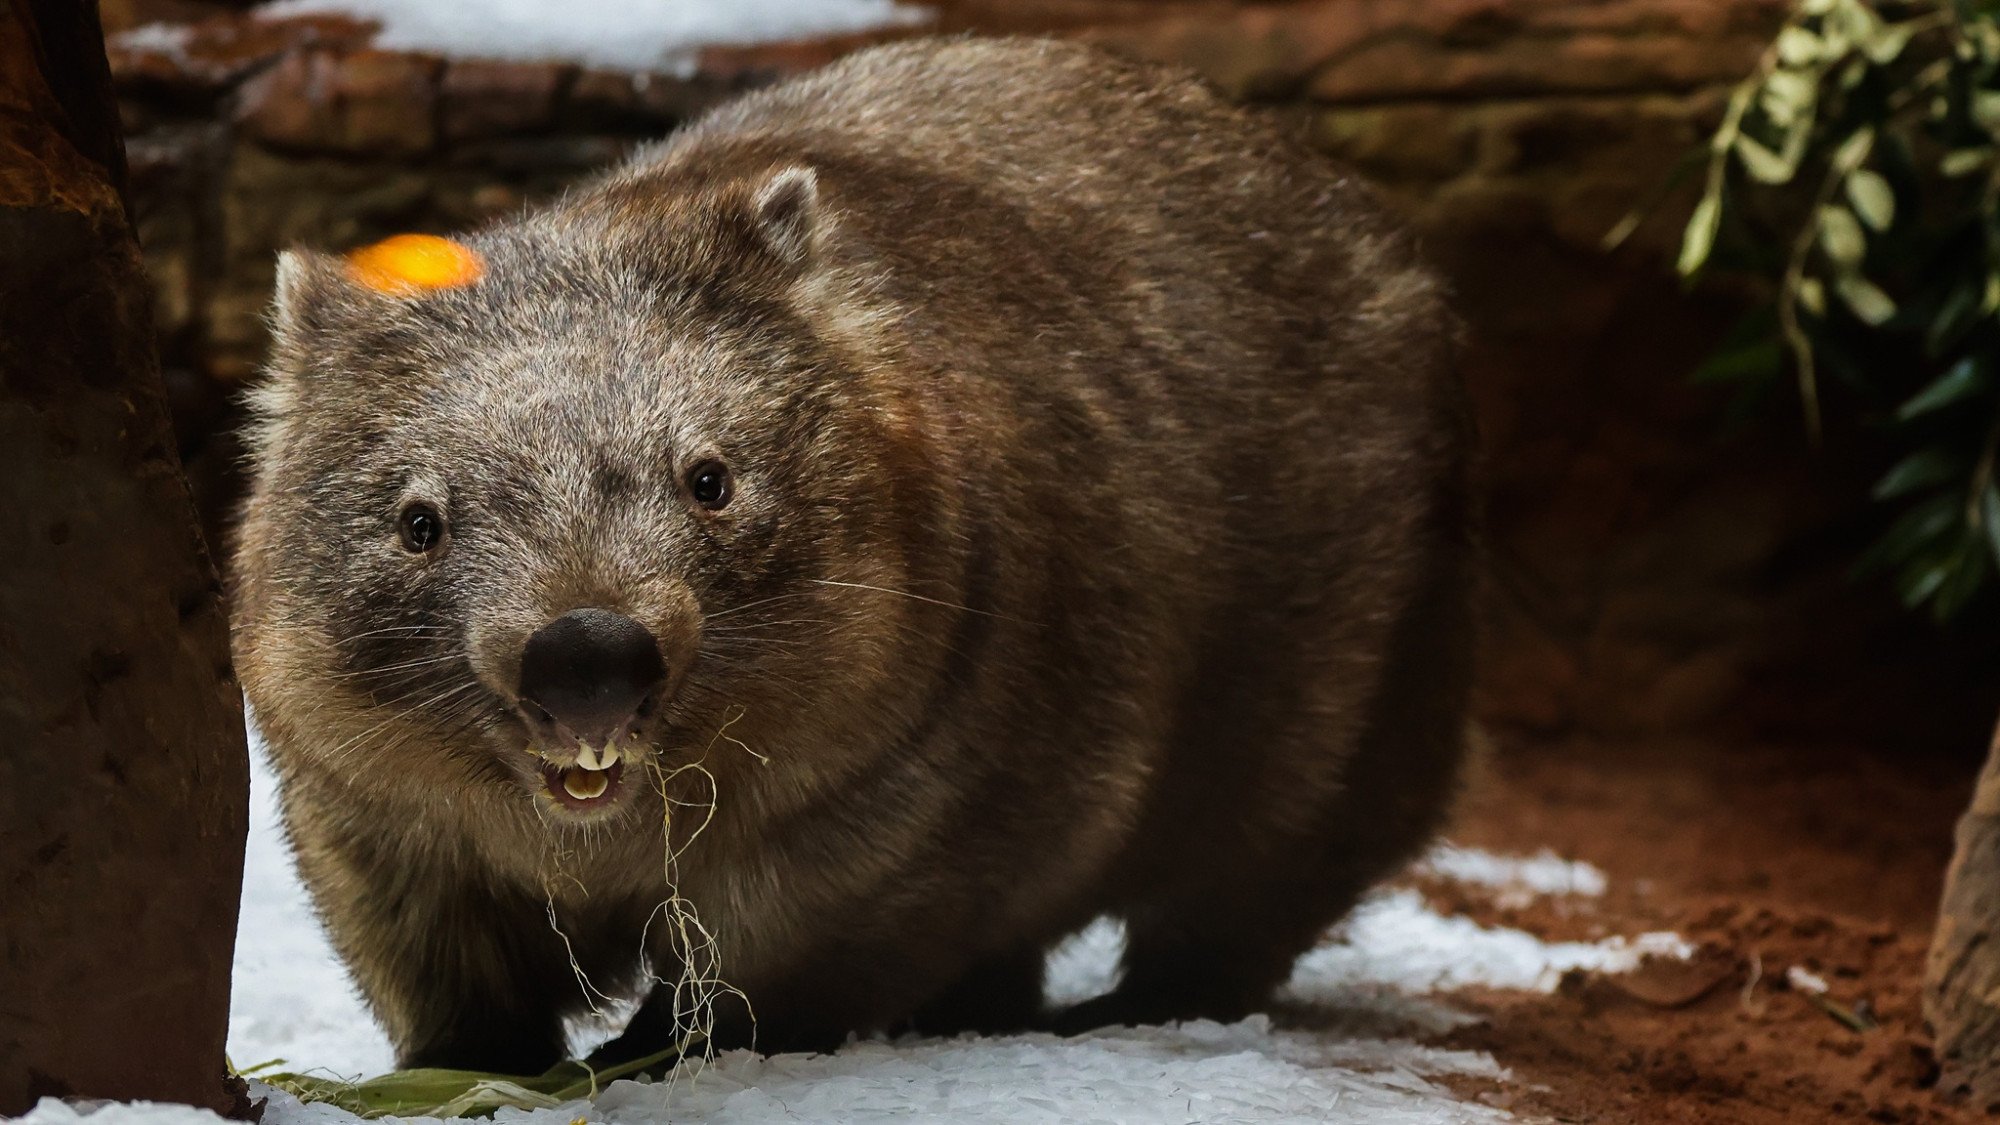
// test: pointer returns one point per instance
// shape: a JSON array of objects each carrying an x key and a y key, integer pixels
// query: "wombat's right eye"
[
  {"x": 711, "y": 484},
  {"x": 422, "y": 527}
]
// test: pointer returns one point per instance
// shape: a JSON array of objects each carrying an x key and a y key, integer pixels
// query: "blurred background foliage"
[{"x": 1855, "y": 170}]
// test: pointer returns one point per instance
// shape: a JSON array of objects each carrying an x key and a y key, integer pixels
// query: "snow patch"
[
  {"x": 53, "y": 1111},
  {"x": 1394, "y": 938},
  {"x": 170, "y": 39},
  {"x": 291, "y": 998},
  {"x": 1365, "y": 990},
  {"x": 1245, "y": 1072},
  {"x": 1085, "y": 964},
  {"x": 639, "y": 35},
  {"x": 1544, "y": 873}
]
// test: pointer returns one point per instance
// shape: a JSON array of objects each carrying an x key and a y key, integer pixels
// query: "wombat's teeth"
[
  {"x": 586, "y": 756},
  {"x": 585, "y": 785},
  {"x": 609, "y": 756}
]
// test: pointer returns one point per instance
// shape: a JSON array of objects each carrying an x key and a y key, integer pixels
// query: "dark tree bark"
[
  {"x": 1962, "y": 980},
  {"x": 123, "y": 775}
]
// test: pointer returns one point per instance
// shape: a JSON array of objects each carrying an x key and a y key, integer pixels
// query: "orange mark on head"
[{"x": 407, "y": 265}]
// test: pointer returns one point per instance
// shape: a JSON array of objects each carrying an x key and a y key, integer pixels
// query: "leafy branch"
[{"x": 1871, "y": 130}]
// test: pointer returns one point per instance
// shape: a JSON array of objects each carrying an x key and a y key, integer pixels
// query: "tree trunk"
[
  {"x": 123, "y": 775},
  {"x": 1962, "y": 980}
]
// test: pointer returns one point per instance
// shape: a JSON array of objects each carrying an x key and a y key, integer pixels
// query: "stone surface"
[
  {"x": 487, "y": 99},
  {"x": 1387, "y": 50},
  {"x": 180, "y": 61},
  {"x": 365, "y": 102}
]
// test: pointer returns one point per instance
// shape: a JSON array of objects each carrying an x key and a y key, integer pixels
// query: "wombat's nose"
[{"x": 591, "y": 670}]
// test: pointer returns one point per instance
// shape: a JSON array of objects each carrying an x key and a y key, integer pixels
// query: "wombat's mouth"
[{"x": 581, "y": 787}]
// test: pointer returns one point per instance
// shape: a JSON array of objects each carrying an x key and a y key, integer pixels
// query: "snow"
[
  {"x": 292, "y": 998},
  {"x": 1246, "y": 1072},
  {"x": 1366, "y": 994},
  {"x": 1803, "y": 979},
  {"x": 164, "y": 38},
  {"x": 1395, "y": 939},
  {"x": 1544, "y": 873},
  {"x": 1086, "y": 964},
  {"x": 52, "y": 1111},
  {"x": 638, "y": 35},
  {"x": 1196, "y": 1072}
]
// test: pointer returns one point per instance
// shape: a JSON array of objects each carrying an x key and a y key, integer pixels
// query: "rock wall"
[{"x": 1651, "y": 572}]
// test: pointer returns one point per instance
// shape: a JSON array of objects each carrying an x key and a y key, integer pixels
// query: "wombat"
[{"x": 1030, "y": 487}]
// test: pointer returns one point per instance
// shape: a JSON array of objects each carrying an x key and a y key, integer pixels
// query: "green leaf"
[
  {"x": 436, "y": 1092},
  {"x": 1873, "y": 199},
  {"x": 1732, "y": 119},
  {"x": 1960, "y": 311},
  {"x": 1964, "y": 161},
  {"x": 1890, "y": 41},
  {"x": 1986, "y": 109},
  {"x": 1763, "y": 165},
  {"x": 1797, "y": 46},
  {"x": 1854, "y": 149},
  {"x": 1963, "y": 380},
  {"x": 1911, "y": 533},
  {"x": 1989, "y": 40},
  {"x": 491, "y": 1094},
  {"x": 1812, "y": 294},
  {"x": 1991, "y": 302},
  {"x": 1853, "y": 21},
  {"x": 1917, "y": 527},
  {"x": 1699, "y": 237},
  {"x": 1787, "y": 95},
  {"x": 1922, "y": 469},
  {"x": 1840, "y": 235},
  {"x": 1919, "y": 581},
  {"x": 1966, "y": 574},
  {"x": 1864, "y": 299}
]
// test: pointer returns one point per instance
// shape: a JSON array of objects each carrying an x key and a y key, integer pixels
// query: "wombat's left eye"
[
  {"x": 711, "y": 484},
  {"x": 422, "y": 528}
]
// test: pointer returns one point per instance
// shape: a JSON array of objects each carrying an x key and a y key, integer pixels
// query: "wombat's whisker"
[
  {"x": 469, "y": 713},
  {"x": 921, "y": 598},
  {"x": 743, "y": 627},
  {"x": 390, "y": 630},
  {"x": 396, "y": 715},
  {"x": 749, "y": 635},
  {"x": 754, "y": 646},
  {"x": 405, "y": 665},
  {"x": 759, "y": 602},
  {"x": 788, "y": 686}
]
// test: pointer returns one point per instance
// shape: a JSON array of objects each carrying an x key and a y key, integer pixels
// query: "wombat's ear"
[
  {"x": 786, "y": 210},
  {"x": 311, "y": 286}
]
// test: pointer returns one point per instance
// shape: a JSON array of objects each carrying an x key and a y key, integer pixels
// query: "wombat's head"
[{"x": 622, "y": 499}]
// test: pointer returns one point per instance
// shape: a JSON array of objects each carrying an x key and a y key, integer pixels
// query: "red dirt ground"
[{"x": 1768, "y": 858}]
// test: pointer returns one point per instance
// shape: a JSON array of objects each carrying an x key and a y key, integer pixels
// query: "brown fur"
[{"x": 1100, "y": 545}]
